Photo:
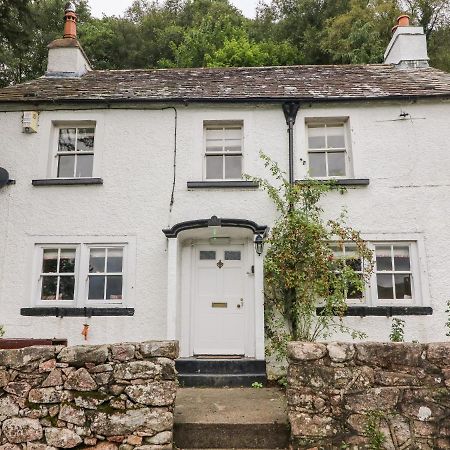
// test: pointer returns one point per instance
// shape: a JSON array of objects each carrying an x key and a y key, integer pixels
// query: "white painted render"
[
  {"x": 67, "y": 60},
  {"x": 408, "y": 45},
  {"x": 406, "y": 160}
]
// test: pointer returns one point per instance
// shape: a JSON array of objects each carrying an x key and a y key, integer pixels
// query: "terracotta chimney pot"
[
  {"x": 70, "y": 21},
  {"x": 403, "y": 21}
]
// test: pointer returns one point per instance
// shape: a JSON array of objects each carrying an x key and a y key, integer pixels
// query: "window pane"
[
  {"x": 66, "y": 166},
  {"x": 204, "y": 254},
  {"x": 214, "y": 134},
  {"x": 214, "y": 168},
  {"x": 97, "y": 260},
  {"x": 233, "y": 146},
  {"x": 316, "y": 137},
  {"x": 114, "y": 287},
  {"x": 96, "y": 287},
  {"x": 403, "y": 286},
  {"x": 232, "y": 255},
  {"x": 85, "y": 140},
  {"x": 66, "y": 142},
  {"x": 233, "y": 133},
  {"x": 383, "y": 257},
  {"x": 114, "y": 263},
  {"x": 335, "y": 137},
  {"x": 67, "y": 261},
  {"x": 211, "y": 147},
  {"x": 49, "y": 285},
  {"x": 336, "y": 164},
  {"x": 353, "y": 292},
  {"x": 384, "y": 286},
  {"x": 50, "y": 261},
  {"x": 317, "y": 165},
  {"x": 233, "y": 167},
  {"x": 66, "y": 287},
  {"x": 401, "y": 259},
  {"x": 85, "y": 164}
]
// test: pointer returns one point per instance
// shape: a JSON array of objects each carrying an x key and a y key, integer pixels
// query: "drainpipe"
[{"x": 290, "y": 110}]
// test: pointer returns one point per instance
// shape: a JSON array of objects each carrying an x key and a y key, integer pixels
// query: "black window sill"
[
  {"x": 344, "y": 181},
  {"x": 76, "y": 312},
  {"x": 67, "y": 181},
  {"x": 387, "y": 311},
  {"x": 222, "y": 184}
]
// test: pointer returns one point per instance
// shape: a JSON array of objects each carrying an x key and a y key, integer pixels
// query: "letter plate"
[{"x": 219, "y": 305}]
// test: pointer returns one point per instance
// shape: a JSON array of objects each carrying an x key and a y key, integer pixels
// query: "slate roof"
[{"x": 303, "y": 83}]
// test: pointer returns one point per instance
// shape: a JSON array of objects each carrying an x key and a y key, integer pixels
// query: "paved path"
[{"x": 231, "y": 418}]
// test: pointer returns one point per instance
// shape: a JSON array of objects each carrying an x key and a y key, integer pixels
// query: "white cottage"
[{"x": 126, "y": 209}]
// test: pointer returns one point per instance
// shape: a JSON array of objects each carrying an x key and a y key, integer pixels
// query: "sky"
[{"x": 118, "y": 7}]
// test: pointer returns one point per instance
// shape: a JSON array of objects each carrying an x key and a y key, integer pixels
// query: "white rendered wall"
[{"x": 407, "y": 162}]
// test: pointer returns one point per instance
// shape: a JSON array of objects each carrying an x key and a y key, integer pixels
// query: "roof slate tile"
[{"x": 307, "y": 83}]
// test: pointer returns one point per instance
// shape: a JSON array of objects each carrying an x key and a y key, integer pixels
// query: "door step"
[
  {"x": 239, "y": 418},
  {"x": 194, "y": 372}
]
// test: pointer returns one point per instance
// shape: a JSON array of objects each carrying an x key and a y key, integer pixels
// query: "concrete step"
[
  {"x": 231, "y": 418},
  {"x": 196, "y": 372}
]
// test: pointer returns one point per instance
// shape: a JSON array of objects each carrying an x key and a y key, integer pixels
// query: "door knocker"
[{"x": 220, "y": 264}]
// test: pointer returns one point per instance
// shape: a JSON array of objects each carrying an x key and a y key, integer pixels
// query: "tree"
[
  {"x": 241, "y": 52},
  {"x": 301, "y": 270},
  {"x": 359, "y": 35}
]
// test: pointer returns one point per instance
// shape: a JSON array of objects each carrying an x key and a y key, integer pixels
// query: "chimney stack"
[
  {"x": 66, "y": 57},
  {"x": 408, "y": 46}
]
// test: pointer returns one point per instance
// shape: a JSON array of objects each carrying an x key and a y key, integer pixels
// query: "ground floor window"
[
  {"x": 396, "y": 277},
  {"x": 80, "y": 274}
]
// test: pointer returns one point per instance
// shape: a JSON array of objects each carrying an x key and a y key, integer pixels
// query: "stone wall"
[
  {"x": 108, "y": 397},
  {"x": 354, "y": 395}
]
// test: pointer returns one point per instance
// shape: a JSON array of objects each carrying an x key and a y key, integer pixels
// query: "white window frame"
[
  {"x": 83, "y": 245},
  {"x": 363, "y": 299},
  {"x": 415, "y": 299},
  {"x": 86, "y": 274},
  {"x": 223, "y": 124},
  {"x": 39, "y": 274},
  {"x": 55, "y": 153},
  {"x": 419, "y": 276},
  {"x": 330, "y": 122}
]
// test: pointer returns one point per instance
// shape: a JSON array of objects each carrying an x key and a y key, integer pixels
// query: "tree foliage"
[
  {"x": 201, "y": 33},
  {"x": 301, "y": 271}
]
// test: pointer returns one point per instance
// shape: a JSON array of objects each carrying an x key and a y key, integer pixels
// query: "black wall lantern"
[{"x": 259, "y": 244}]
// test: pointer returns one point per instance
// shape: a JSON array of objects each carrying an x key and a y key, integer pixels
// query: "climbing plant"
[
  {"x": 301, "y": 270},
  {"x": 2, "y": 331}
]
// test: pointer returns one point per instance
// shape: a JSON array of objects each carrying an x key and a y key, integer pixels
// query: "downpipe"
[{"x": 290, "y": 110}]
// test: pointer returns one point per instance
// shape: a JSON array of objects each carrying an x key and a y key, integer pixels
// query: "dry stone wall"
[
  {"x": 108, "y": 397},
  {"x": 358, "y": 396}
]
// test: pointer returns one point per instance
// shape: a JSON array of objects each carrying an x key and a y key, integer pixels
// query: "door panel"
[{"x": 219, "y": 304}]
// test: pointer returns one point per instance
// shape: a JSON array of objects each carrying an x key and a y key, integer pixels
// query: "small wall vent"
[{"x": 30, "y": 121}]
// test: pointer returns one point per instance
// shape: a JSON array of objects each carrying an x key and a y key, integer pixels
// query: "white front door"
[{"x": 219, "y": 306}]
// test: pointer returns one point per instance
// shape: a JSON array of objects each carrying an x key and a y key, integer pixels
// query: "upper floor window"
[
  {"x": 75, "y": 152},
  {"x": 223, "y": 152},
  {"x": 327, "y": 150}
]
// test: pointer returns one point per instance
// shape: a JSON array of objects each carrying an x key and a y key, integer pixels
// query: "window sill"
[
  {"x": 387, "y": 311},
  {"x": 67, "y": 181},
  {"x": 76, "y": 312},
  {"x": 222, "y": 184},
  {"x": 343, "y": 181}
]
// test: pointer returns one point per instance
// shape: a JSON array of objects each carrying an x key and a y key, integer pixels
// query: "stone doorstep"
[{"x": 231, "y": 418}]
